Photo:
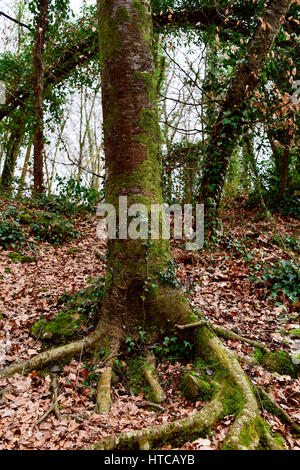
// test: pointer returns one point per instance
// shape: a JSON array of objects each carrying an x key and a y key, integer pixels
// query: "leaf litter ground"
[{"x": 218, "y": 282}]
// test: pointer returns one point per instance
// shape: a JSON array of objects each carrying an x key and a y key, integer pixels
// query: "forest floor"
[{"x": 219, "y": 281}]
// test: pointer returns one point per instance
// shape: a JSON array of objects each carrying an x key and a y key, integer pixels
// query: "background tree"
[
  {"x": 38, "y": 85},
  {"x": 228, "y": 124}
]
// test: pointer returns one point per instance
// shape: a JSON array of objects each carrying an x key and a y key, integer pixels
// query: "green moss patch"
[
  {"x": 258, "y": 355},
  {"x": 135, "y": 377},
  {"x": 25, "y": 219},
  {"x": 110, "y": 41},
  {"x": 295, "y": 333},
  {"x": 194, "y": 388},
  {"x": 64, "y": 326},
  {"x": 80, "y": 312},
  {"x": 19, "y": 257},
  {"x": 250, "y": 432},
  {"x": 280, "y": 362},
  {"x": 233, "y": 399}
]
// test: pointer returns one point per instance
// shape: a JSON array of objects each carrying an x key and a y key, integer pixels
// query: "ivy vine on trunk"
[{"x": 228, "y": 125}]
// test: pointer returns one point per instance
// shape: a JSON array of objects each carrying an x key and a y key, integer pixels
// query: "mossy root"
[
  {"x": 104, "y": 391},
  {"x": 52, "y": 355},
  {"x": 272, "y": 406},
  {"x": 146, "y": 438},
  {"x": 150, "y": 375},
  {"x": 248, "y": 429},
  {"x": 222, "y": 332}
]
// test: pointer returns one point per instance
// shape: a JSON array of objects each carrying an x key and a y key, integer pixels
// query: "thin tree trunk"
[
  {"x": 82, "y": 136},
  {"x": 12, "y": 152},
  {"x": 248, "y": 157},
  {"x": 38, "y": 138},
  {"x": 135, "y": 294},
  {"x": 285, "y": 166},
  {"x": 228, "y": 125},
  {"x": 25, "y": 168},
  {"x": 55, "y": 155},
  {"x": 21, "y": 8}
]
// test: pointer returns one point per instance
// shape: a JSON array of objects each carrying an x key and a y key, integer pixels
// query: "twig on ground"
[
  {"x": 54, "y": 406},
  {"x": 150, "y": 404}
]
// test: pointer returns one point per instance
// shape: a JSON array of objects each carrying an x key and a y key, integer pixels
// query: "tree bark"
[
  {"x": 12, "y": 152},
  {"x": 228, "y": 125},
  {"x": 285, "y": 166},
  {"x": 132, "y": 152},
  {"x": 38, "y": 138},
  {"x": 25, "y": 167}
]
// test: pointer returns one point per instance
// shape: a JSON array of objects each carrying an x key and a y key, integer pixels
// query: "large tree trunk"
[
  {"x": 132, "y": 152},
  {"x": 38, "y": 138},
  {"x": 228, "y": 125}
]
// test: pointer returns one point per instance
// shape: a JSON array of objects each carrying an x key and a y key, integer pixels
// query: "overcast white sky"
[
  {"x": 76, "y": 4},
  {"x": 8, "y": 28},
  {"x": 187, "y": 120}
]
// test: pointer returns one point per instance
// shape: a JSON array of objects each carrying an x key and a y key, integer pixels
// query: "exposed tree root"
[
  {"x": 271, "y": 405},
  {"x": 104, "y": 391},
  {"x": 149, "y": 372},
  {"x": 226, "y": 334},
  {"x": 51, "y": 356},
  {"x": 54, "y": 407},
  {"x": 4, "y": 392},
  {"x": 103, "y": 399},
  {"x": 145, "y": 439},
  {"x": 248, "y": 429}
]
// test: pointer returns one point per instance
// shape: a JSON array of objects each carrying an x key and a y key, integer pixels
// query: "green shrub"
[
  {"x": 11, "y": 234},
  {"x": 45, "y": 226},
  {"x": 172, "y": 348},
  {"x": 73, "y": 192},
  {"x": 289, "y": 204},
  {"x": 283, "y": 277},
  {"x": 53, "y": 228},
  {"x": 72, "y": 198},
  {"x": 287, "y": 242}
]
